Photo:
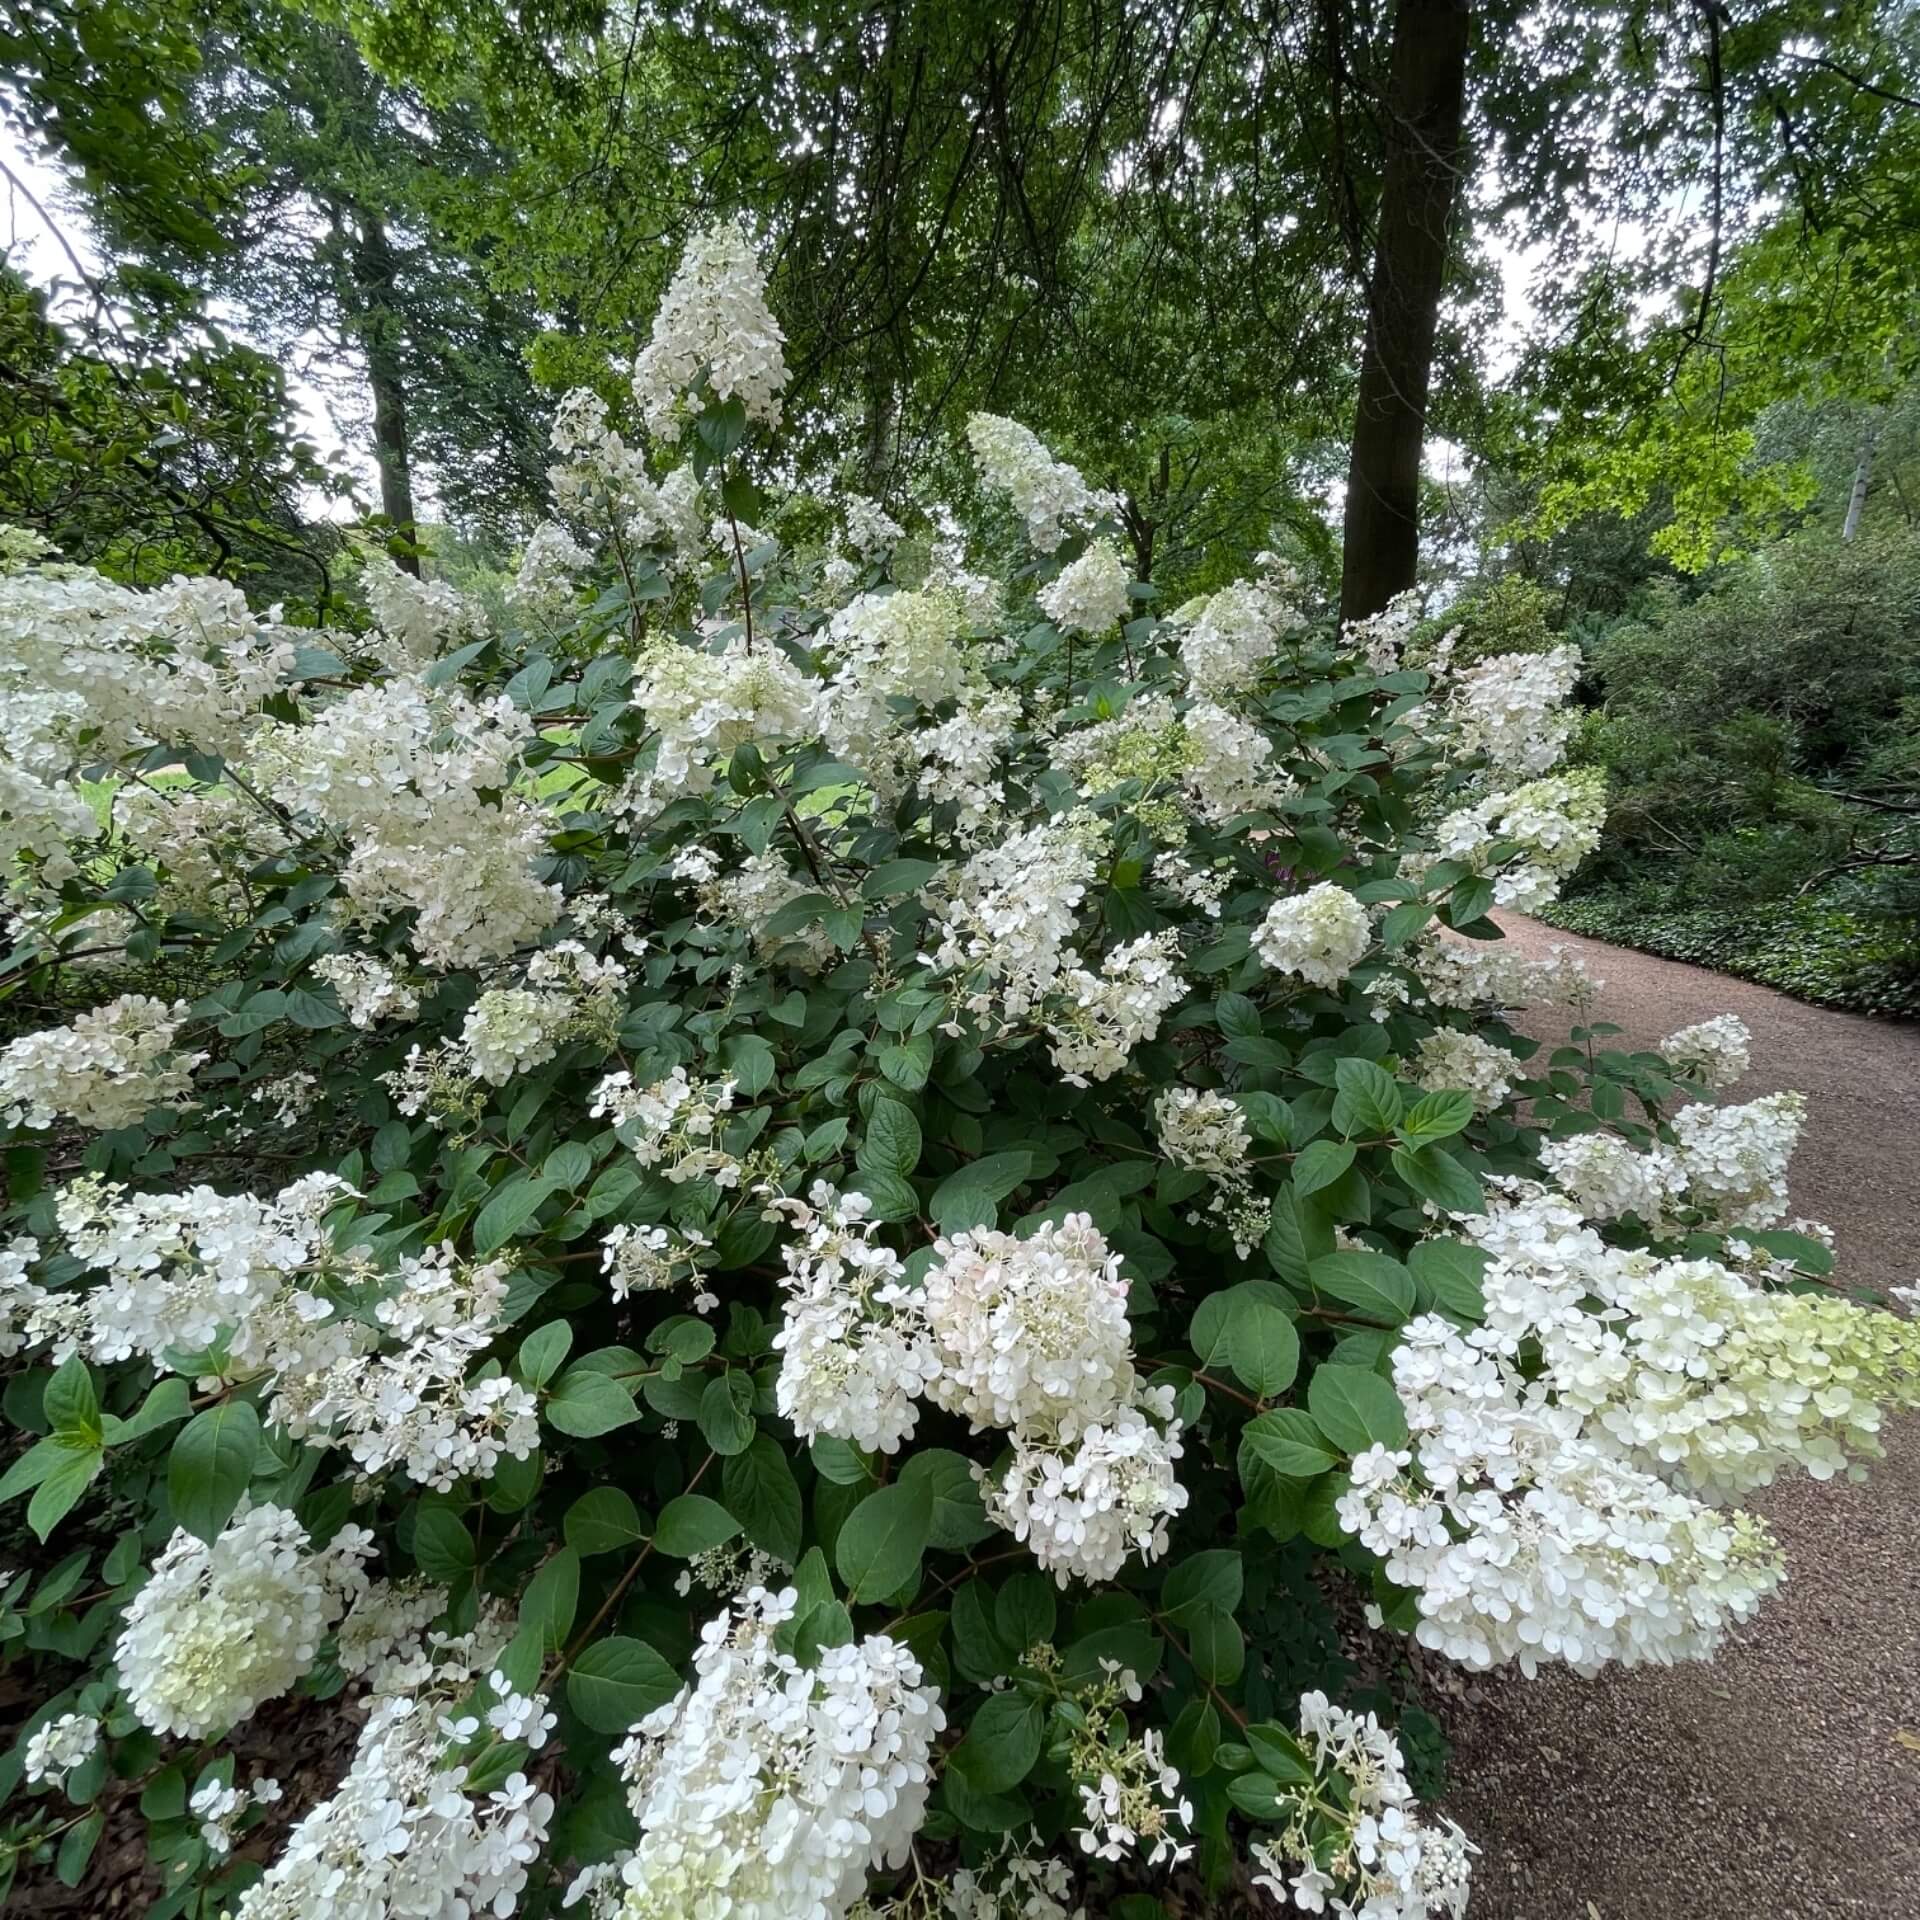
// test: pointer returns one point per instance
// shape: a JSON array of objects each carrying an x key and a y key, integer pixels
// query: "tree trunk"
[
  {"x": 1418, "y": 186},
  {"x": 1862, "y": 479},
  {"x": 378, "y": 326}
]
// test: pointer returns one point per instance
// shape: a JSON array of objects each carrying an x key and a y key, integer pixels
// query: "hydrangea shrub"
[{"x": 779, "y": 1235}]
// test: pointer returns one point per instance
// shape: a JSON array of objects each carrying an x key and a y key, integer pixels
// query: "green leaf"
[
  {"x": 691, "y": 1524},
  {"x": 1434, "y": 1116},
  {"x": 1367, "y": 1101},
  {"x": 959, "y": 1519},
  {"x": 971, "y": 1196},
  {"x": 551, "y": 1600},
  {"x": 762, "y": 1494},
  {"x": 750, "y": 1060},
  {"x": 76, "y": 1848},
  {"x": 1434, "y": 1174},
  {"x": 542, "y": 1351},
  {"x": 569, "y": 1165},
  {"x": 1471, "y": 900},
  {"x": 61, "y": 1486},
  {"x": 1026, "y": 1611},
  {"x": 211, "y": 1463},
  {"x": 907, "y": 1063},
  {"x": 617, "y": 1682},
  {"x": 513, "y": 1204},
  {"x": 171, "y": 1399},
  {"x": 1212, "y": 1580},
  {"x": 726, "y": 1413},
  {"x": 1404, "y": 922},
  {"x": 1448, "y": 1273},
  {"x": 1262, "y": 1348},
  {"x": 1319, "y": 1165},
  {"x": 1003, "y": 1742},
  {"x": 308, "y": 1009},
  {"x": 441, "y": 1544},
  {"x": 1280, "y": 1754},
  {"x": 881, "y": 1544},
  {"x": 72, "y": 1402},
  {"x": 892, "y": 1141},
  {"x": 1356, "y": 1410},
  {"x": 603, "y": 1521},
  {"x": 1288, "y": 1441},
  {"x": 586, "y": 1403},
  {"x": 1296, "y": 1235},
  {"x": 1374, "y": 1286},
  {"x": 898, "y": 876}
]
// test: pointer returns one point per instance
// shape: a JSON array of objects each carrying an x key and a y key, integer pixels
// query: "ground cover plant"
[{"x": 780, "y": 1232}]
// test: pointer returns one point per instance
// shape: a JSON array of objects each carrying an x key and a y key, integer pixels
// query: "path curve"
[{"x": 1777, "y": 1782}]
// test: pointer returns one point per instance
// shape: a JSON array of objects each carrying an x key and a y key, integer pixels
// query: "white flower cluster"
[
  {"x": 604, "y": 482},
  {"x": 713, "y": 330},
  {"x": 401, "y": 768},
  {"x": 1202, "y": 888},
  {"x": 108, "y": 1067},
  {"x": 1318, "y": 936},
  {"x": 218, "y": 1629},
  {"x": 1091, "y": 594},
  {"x": 1010, "y": 917},
  {"x": 768, "y": 1790},
  {"x": 1709, "y": 1379},
  {"x": 1529, "y": 1536},
  {"x": 960, "y": 760},
  {"x": 1469, "y": 974},
  {"x": 413, "y": 1406},
  {"x": 1221, "y": 764},
  {"x": 220, "y": 1809},
  {"x": 543, "y": 588},
  {"x": 200, "y": 843},
  {"x": 57, "y": 1748},
  {"x": 186, "y": 664},
  {"x": 403, "y": 1837},
  {"x": 1207, "y": 1132},
  {"x": 1015, "y": 1886},
  {"x": 1715, "y": 1052},
  {"x": 1048, "y": 494},
  {"x": 1099, "y": 1018},
  {"x": 1449, "y": 1059},
  {"x": 1032, "y": 1336},
  {"x": 1231, "y": 635},
  {"x": 369, "y": 990},
  {"x": 1734, "y": 1159},
  {"x": 1354, "y": 1844},
  {"x": 893, "y": 651},
  {"x": 1553, "y": 824},
  {"x": 1381, "y": 637},
  {"x": 425, "y": 618},
  {"x": 673, "y": 1124},
  {"x": 1607, "y": 1178},
  {"x": 748, "y": 895},
  {"x": 856, "y": 1354},
  {"x": 183, "y": 1270},
  {"x": 708, "y": 705},
  {"x": 568, "y": 990},
  {"x": 1082, "y": 1507},
  {"x": 648, "y": 1259},
  {"x": 1512, "y": 710},
  {"x": 872, "y": 532}
]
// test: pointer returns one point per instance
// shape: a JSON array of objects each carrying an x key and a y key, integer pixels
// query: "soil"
[{"x": 1782, "y": 1780}]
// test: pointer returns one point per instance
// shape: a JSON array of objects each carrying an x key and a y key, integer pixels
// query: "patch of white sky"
[{"x": 45, "y": 237}]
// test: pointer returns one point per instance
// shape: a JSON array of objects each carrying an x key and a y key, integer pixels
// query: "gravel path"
[{"x": 1781, "y": 1781}]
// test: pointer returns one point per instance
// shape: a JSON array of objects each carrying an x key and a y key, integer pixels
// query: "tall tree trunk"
[
  {"x": 1418, "y": 186},
  {"x": 378, "y": 325},
  {"x": 1862, "y": 479}
]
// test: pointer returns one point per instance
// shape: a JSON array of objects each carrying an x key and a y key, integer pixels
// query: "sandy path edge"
[{"x": 1773, "y": 1783}]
